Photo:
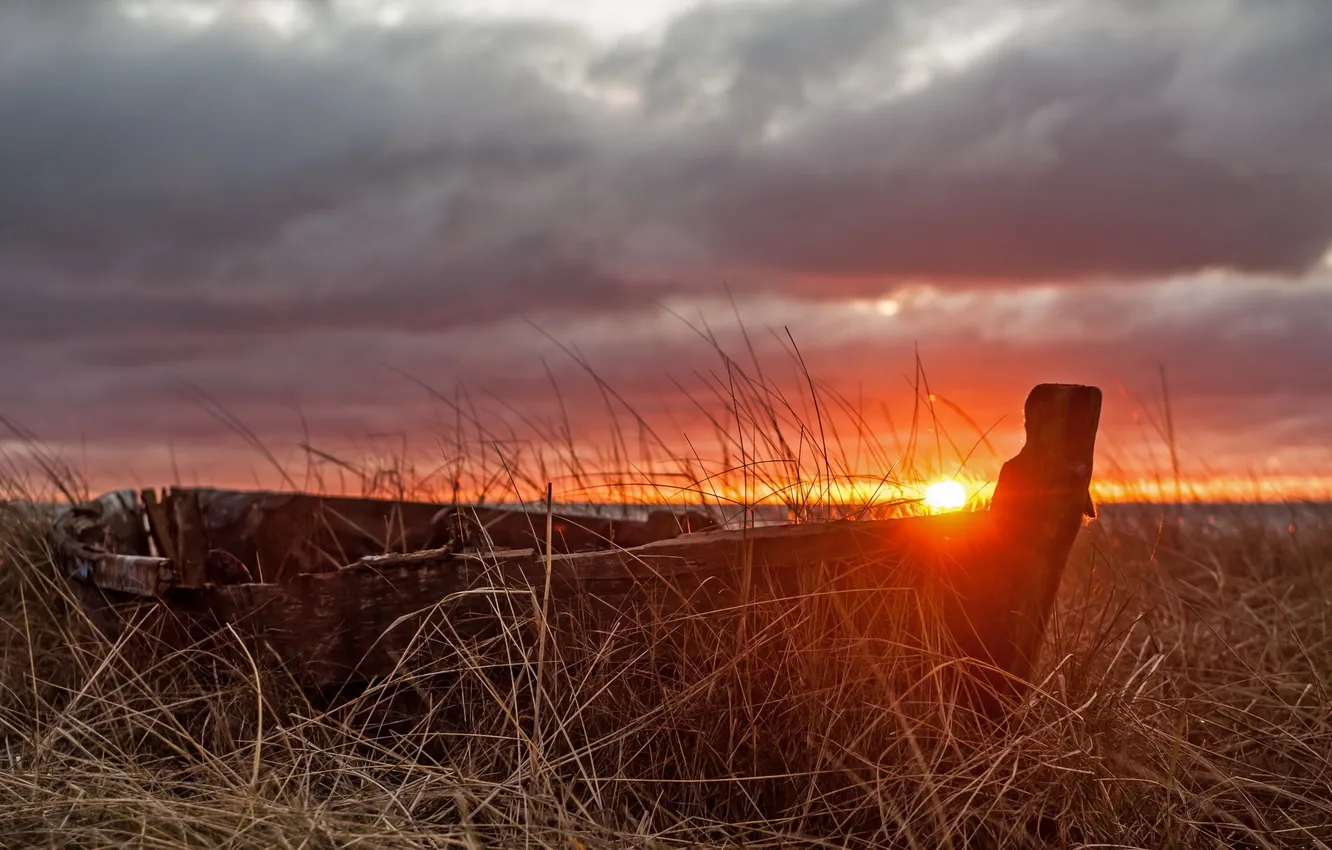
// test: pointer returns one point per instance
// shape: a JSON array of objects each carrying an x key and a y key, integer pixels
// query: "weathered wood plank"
[
  {"x": 88, "y": 546},
  {"x": 499, "y": 528},
  {"x": 188, "y": 536},
  {"x": 159, "y": 524},
  {"x": 357, "y": 621}
]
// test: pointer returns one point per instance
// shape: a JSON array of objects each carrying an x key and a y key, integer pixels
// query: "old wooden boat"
[{"x": 336, "y": 589}]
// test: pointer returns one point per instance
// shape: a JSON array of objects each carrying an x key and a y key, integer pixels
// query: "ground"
[{"x": 1182, "y": 701}]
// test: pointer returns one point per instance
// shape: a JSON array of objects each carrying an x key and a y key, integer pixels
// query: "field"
[{"x": 1182, "y": 701}]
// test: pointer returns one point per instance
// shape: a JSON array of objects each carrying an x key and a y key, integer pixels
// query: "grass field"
[{"x": 1182, "y": 701}]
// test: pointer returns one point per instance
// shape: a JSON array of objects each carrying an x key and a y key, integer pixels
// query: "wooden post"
[{"x": 1038, "y": 508}]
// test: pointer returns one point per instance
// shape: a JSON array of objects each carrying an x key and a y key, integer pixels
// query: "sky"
[{"x": 302, "y": 214}]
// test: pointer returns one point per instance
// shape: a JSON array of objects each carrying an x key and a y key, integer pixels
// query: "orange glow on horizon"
[
  {"x": 897, "y": 496},
  {"x": 911, "y": 497}
]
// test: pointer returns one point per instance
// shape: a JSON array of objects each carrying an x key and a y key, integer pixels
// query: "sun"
[{"x": 945, "y": 495}]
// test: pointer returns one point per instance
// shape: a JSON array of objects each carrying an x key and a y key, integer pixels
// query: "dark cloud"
[
  {"x": 528, "y": 277},
  {"x": 265, "y": 216},
  {"x": 1093, "y": 143},
  {"x": 156, "y": 155},
  {"x": 1076, "y": 151}
]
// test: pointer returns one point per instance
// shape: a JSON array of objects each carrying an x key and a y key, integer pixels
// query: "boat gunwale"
[{"x": 156, "y": 576}]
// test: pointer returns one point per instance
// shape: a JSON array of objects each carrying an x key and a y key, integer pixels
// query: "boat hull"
[{"x": 302, "y": 580}]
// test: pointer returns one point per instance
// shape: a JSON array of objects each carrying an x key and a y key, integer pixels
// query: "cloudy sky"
[{"x": 297, "y": 208}]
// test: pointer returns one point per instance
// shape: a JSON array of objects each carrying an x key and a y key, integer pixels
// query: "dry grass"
[{"x": 1182, "y": 701}]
